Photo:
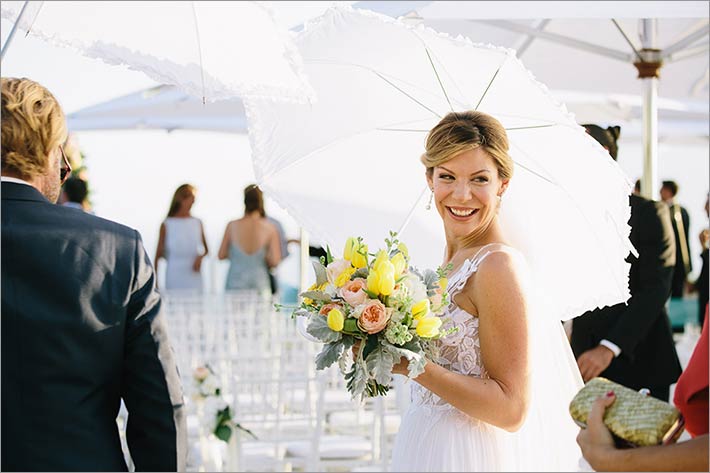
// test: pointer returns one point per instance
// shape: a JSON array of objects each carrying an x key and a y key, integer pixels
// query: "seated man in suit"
[
  {"x": 632, "y": 343},
  {"x": 82, "y": 326}
]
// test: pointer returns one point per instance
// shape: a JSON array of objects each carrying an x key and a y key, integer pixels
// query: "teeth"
[{"x": 461, "y": 213}]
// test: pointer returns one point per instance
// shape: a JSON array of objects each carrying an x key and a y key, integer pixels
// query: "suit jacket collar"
[{"x": 14, "y": 191}]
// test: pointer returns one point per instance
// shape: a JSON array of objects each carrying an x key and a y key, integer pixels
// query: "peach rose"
[
  {"x": 353, "y": 292},
  {"x": 328, "y": 307},
  {"x": 374, "y": 317}
]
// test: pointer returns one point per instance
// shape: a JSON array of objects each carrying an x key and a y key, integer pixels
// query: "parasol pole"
[
  {"x": 14, "y": 29},
  {"x": 648, "y": 67}
]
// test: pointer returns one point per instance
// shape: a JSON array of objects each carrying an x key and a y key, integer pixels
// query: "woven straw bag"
[{"x": 634, "y": 418}]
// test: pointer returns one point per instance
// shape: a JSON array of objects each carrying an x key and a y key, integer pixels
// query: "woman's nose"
[{"x": 462, "y": 192}]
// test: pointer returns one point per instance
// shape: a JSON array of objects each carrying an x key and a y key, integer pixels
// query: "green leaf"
[
  {"x": 370, "y": 345},
  {"x": 357, "y": 381},
  {"x": 321, "y": 275},
  {"x": 379, "y": 364},
  {"x": 332, "y": 351},
  {"x": 223, "y": 432},
  {"x": 328, "y": 255},
  {"x": 316, "y": 296},
  {"x": 318, "y": 327}
]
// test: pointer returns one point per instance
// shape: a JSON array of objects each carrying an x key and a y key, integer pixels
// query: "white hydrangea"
[
  {"x": 211, "y": 407},
  {"x": 209, "y": 386}
]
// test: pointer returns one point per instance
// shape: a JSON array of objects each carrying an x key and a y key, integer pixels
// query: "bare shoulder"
[{"x": 498, "y": 281}]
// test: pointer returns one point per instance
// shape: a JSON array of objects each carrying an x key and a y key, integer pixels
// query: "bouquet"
[
  {"x": 217, "y": 414},
  {"x": 380, "y": 301}
]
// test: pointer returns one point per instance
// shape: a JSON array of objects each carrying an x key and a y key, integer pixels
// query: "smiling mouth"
[{"x": 461, "y": 212}]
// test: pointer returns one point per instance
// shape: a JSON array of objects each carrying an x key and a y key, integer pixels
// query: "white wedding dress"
[{"x": 435, "y": 436}]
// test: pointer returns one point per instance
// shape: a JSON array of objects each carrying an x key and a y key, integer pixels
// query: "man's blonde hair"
[{"x": 33, "y": 125}]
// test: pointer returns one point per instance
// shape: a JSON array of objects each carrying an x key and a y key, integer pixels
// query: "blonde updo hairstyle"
[
  {"x": 459, "y": 132},
  {"x": 33, "y": 125}
]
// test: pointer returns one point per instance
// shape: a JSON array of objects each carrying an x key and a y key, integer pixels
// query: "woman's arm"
[
  {"x": 273, "y": 255},
  {"x": 197, "y": 264},
  {"x": 599, "y": 450},
  {"x": 224, "y": 247},
  {"x": 160, "y": 251},
  {"x": 498, "y": 299}
]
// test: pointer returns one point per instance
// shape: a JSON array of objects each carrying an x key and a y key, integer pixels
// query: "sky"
[{"x": 133, "y": 174}]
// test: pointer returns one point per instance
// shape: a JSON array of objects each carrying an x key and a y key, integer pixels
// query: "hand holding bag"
[{"x": 634, "y": 419}]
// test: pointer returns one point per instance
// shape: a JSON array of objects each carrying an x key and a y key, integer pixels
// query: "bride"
[{"x": 496, "y": 396}]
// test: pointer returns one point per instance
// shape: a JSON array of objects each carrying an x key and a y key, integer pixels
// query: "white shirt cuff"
[{"x": 611, "y": 346}]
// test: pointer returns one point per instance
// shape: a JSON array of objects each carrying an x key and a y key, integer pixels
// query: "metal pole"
[
  {"x": 649, "y": 183},
  {"x": 12, "y": 32},
  {"x": 649, "y": 67}
]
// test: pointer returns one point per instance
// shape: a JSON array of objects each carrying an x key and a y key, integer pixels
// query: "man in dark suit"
[
  {"x": 632, "y": 343},
  {"x": 680, "y": 221},
  {"x": 82, "y": 326}
]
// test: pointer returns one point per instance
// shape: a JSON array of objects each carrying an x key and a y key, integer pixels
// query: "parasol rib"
[
  {"x": 443, "y": 90},
  {"x": 199, "y": 50}
]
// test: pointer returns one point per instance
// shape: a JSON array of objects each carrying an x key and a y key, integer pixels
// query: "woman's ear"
[
  {"x": 503, "y": 187},
  {"x": 429, "y": 179}
]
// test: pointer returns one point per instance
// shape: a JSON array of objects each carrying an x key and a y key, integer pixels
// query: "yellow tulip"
[
  {"x": 344, "y": 277},
  {"x": 400, "y": 264},
  {"x": 350, "y": 246},
  {"x": 359, "y": 256},
  {"x": 373, "y": 282},
  {"x": 387, "y": 280},
  {"x": 379, "y": 259},
  {"x": 336, "y": 320},
  {"x": 420, "y": 309},
  {"x": 428, "y": 327},
  {"x": 403, "y": 248},
  {"x": 443, "y": 283}
]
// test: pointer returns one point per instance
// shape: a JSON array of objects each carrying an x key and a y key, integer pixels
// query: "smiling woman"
[{"x": 493, "y": 375}]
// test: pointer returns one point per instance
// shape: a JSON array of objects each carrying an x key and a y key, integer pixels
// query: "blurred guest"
[
  {"x": 637, "y": 187},
  {"x": 701, "y": 284},
  {"x": 283, "y": 241},
  {"x": 82, "y": 325},
  {"x": 252, "y": 246},
  {"x": 680, "y": 221},
  {"x": 182, "y": 242},
  {"x": 632, "y": 343},
  {"x": 691, "y": 398},
  {"x": 75, "y": 193}
]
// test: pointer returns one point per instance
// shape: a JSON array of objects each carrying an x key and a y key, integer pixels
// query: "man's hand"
[
  {"x": 592, "y": 362},
  {"x": 596, "y": 441}
]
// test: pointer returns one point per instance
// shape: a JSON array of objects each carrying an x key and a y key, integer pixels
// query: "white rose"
[
  {"x": 415, "y": 287},
  {"x": 209, "y": 386}
]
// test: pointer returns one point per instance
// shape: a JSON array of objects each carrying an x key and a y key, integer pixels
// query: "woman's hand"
[
  {"x": 197, "y": 264},
  {"x": 596, "y": 441},
  {"x": 401, "y": 367}
]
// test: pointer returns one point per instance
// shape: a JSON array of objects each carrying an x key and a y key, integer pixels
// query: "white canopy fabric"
[
  {"x": 211, "y": 50},
  {"x": 577, "y": 46}
]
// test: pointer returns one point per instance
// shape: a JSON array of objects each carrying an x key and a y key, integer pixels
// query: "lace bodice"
[{"x": 459, "y": 352}]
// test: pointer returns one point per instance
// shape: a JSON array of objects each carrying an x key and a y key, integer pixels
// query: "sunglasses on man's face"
[{"x": 65, "y": 171}]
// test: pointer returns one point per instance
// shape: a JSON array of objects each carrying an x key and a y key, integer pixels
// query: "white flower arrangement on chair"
[{"x": 217, "y": 416}]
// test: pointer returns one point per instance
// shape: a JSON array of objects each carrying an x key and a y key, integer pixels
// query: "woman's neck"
[
  {"x": 253, "y": 215},
  {"x": 457, "y": 247}
]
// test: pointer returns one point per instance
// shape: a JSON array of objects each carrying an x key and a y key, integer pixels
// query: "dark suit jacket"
[
  {"x": 681, "y": 273},
  {"x": 640, "y": 327},
  {"x": 81, "y": 329}
]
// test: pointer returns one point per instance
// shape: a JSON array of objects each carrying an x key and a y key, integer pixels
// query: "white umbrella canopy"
[
  {"x": 211, "y": 50},
  {"x": 348, "y": 165},
  {"x": 163, "y": 107}
]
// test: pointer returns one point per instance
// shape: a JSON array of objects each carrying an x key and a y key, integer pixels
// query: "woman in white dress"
[
  {"x": 496, "y": 396},
  {"x": 182, "y": 243}
]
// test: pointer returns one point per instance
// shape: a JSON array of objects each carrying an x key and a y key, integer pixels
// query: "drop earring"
[{"x": 431, "y": 198}]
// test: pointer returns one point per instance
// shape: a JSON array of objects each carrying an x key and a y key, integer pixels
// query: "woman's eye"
[
  {"x": 446, "y": 176},
  {"x": 480, "y": 179}
]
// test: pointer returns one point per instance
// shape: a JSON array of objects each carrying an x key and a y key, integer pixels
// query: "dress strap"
[{"x": 470, "y": 265}]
